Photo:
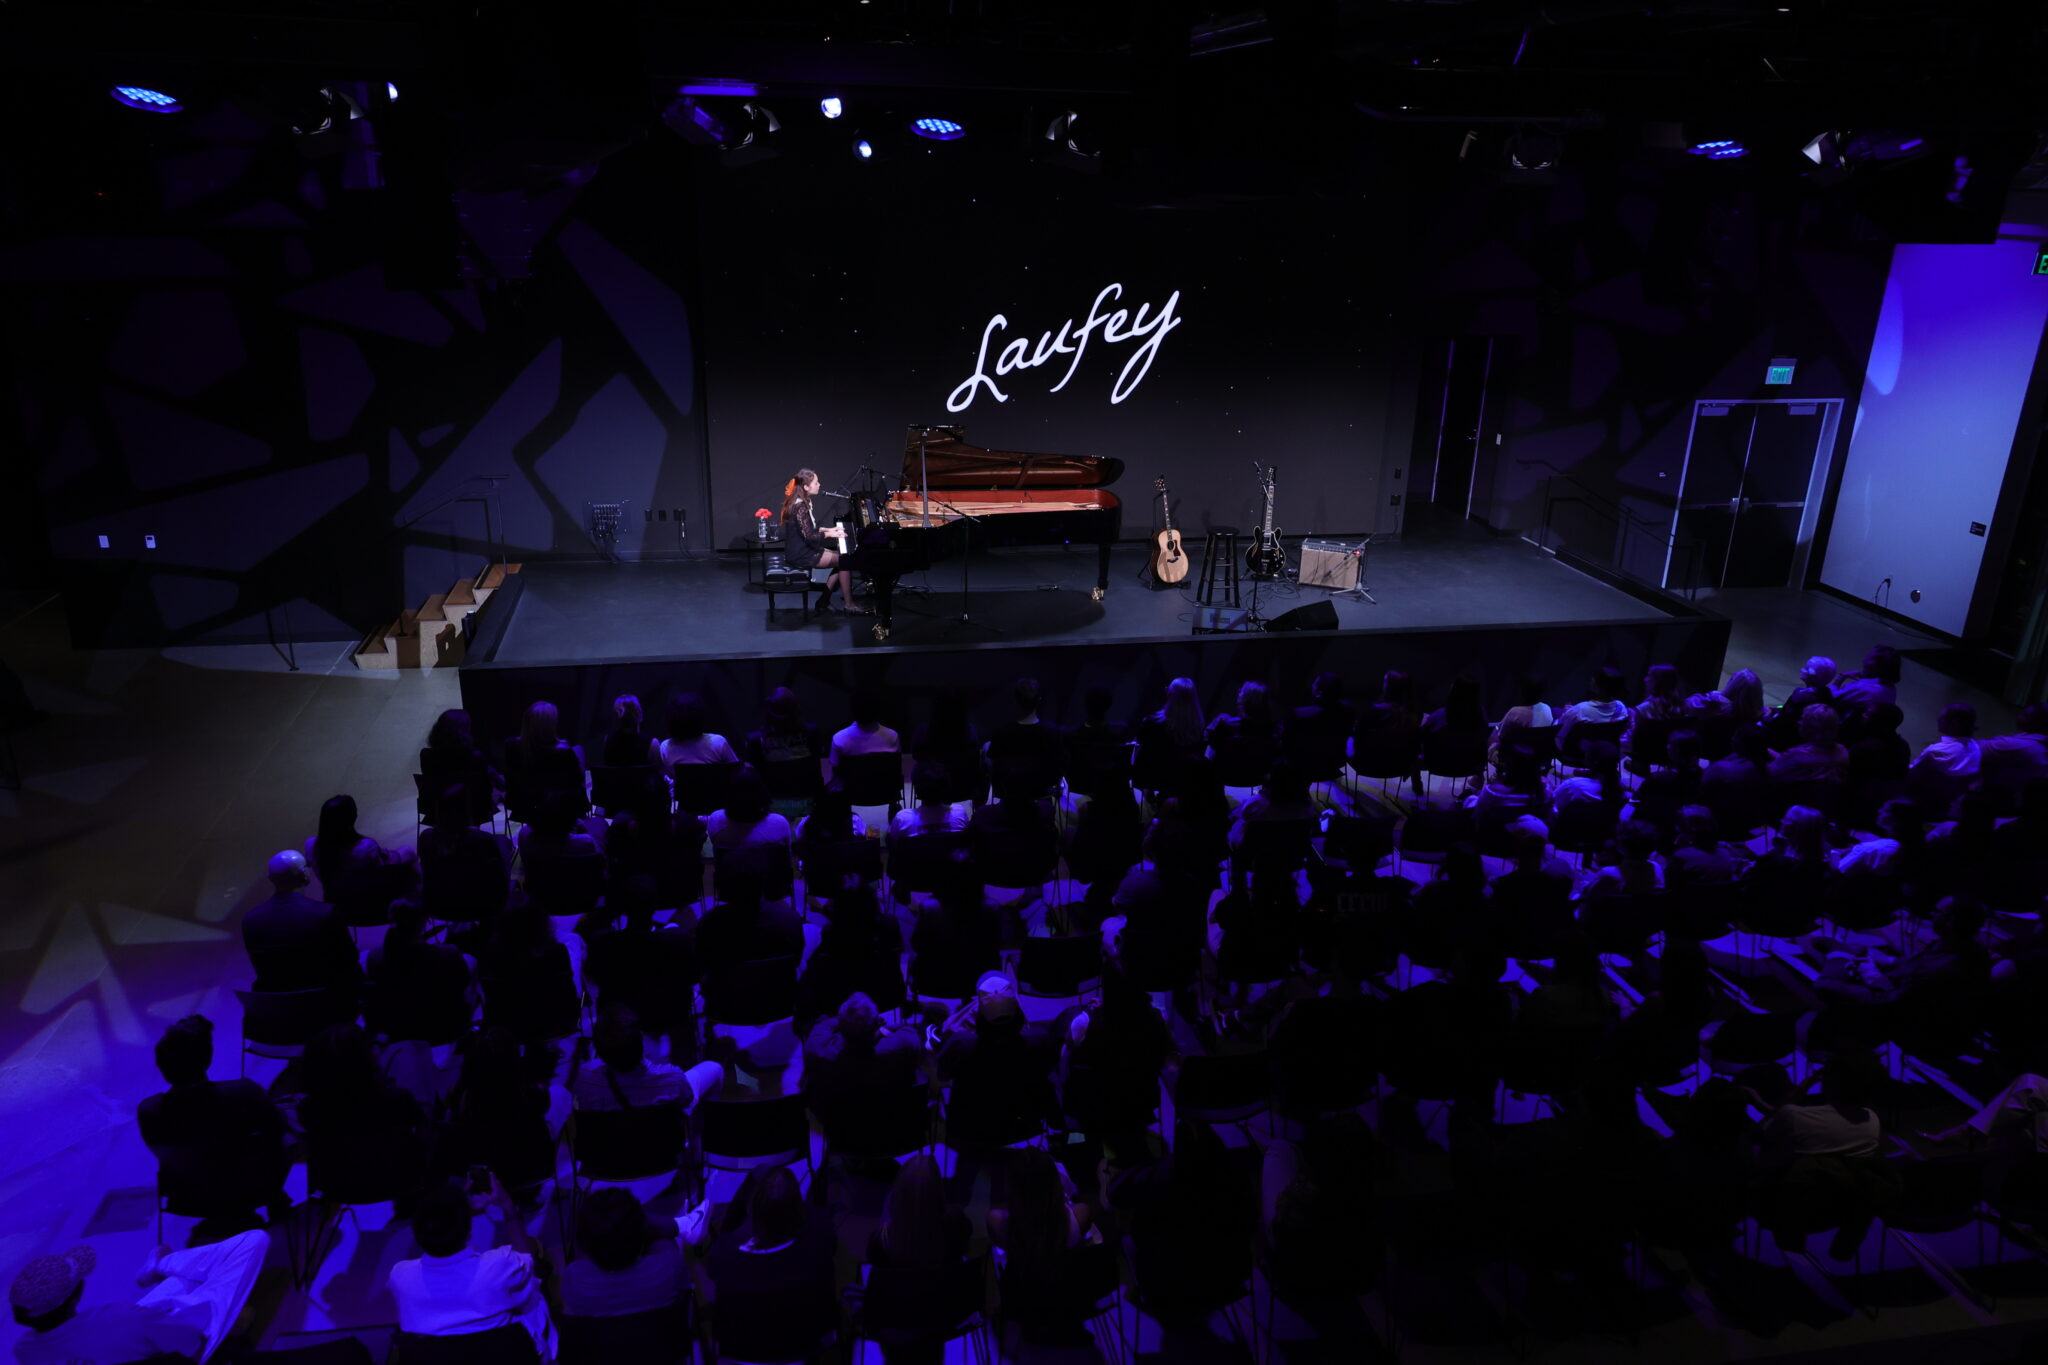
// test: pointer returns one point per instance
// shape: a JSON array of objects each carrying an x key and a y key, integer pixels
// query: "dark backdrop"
[
  {"x": 846, "y": 301},
  {"x": 207, "y": 349}
]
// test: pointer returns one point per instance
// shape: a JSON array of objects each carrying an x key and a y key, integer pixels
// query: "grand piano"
[{"x": 1015, "y": 498}]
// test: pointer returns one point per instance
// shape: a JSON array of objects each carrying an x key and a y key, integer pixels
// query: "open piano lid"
[{"x": 951, "y": 462}]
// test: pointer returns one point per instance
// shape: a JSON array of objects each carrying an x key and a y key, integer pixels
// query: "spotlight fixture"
[
  {"x": 1534, "y": 149},
  {"x": 1063, "y": 145},
  {"x": 391, "y": 91},
  {"x": 938, "y": 129},
  {"x": 864, "y": 149},
  {"x": 831, "y": 106},
  {"x": 1719, "y": 149},
  {"x": 147, "y": 100},
  {"x": 320, "y": 112}
]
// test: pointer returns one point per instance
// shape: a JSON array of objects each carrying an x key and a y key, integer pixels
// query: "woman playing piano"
[{"x": 804, "y": 545}]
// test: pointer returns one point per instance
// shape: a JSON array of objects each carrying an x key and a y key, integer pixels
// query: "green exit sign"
[
  {"x": 1779, "y": 371},
  {"x": 2041, "y": 264}
]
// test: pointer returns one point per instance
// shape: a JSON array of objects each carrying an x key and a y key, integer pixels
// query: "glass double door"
[{"x": 1742, "y": 499}]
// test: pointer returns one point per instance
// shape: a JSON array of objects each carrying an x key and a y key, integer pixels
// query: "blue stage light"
[
  {"x": 391, "y": 90},
  {"x": 831, "y": 106},
  {"x": 938, "y": 129},
  {"x": 1720, "y": 149},
  {"x": 145, "y": 99},
  {"x": 863, "y": 149}
]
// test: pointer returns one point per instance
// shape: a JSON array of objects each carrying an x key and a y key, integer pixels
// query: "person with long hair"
[
  {"x": 772, "y": 1272},
  {"x": 920, "y": 1229},
  {"x": 539, "y": 761},
  {"x": 357, "y": 876},
  {"x": 1168, "y": 738},
  {"x": 628, "y": 745},
  {"x": 803, "y": 543}
]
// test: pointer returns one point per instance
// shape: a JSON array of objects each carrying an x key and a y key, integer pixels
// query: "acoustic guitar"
[{"x": 1169, "y": 560}]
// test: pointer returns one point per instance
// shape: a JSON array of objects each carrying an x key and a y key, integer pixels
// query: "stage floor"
[{"x": 586, "y": 612}]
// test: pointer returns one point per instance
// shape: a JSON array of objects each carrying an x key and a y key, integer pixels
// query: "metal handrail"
[{"x": 1626, "y": 523}]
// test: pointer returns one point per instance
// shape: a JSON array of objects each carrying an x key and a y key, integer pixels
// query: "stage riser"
[{"x": 1135, "y": 672}]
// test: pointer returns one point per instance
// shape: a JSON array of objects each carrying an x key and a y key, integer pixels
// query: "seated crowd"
[{"x": 1356, "y": 916}]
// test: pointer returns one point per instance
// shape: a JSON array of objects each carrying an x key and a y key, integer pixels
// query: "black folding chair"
[
  {"x": 1060, "y": 967},
  {"x": 279, "y": 1024},
  {"x": 700, "y": 787},
  {"x": 871, "y": 779},
  {"x": 613, "y": 790}
]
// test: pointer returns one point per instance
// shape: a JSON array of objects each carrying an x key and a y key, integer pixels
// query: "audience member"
[
  {"x": 867, "y": 734},
  {"x": 540, "y": 761},
  {"x": 420, "y": 990},
  {"x": 1167, "y": 739},
  {"x": 621, "y": 1077},
  {"x": 1244, "y": 744},
  {"x": 1026, "y": 753},
  {"x": 454, "y": 1290},
  {"x": 860, "y": 950},
  {"x": 228, "y": 1130},
  {"x": 294, "y": 942},
  {"x": 850, "y": 1052},
  {"x": 1876, "y": 685},
  {"x": 1819, "y": 756},
  {"x": 628, "y": 745},
  {"x": 1603, "y": 706},
  {"x": 771, "y": 1272},
  {"x": 689, "y": 738},
  {"x": 628, "y": 1260},
  {"x": 194, "y": 1297}
]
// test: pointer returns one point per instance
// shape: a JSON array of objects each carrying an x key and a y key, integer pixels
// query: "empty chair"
[{"x": 281, "y": 1023}]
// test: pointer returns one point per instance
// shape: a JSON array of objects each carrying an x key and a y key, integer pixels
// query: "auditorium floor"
[{"x": 150, "y": 798}]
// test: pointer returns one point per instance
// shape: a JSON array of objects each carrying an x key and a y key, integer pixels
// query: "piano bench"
[{"x": 778, "y": 578}]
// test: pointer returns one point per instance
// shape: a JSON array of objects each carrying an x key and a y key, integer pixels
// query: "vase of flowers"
[{"x": 762, "y": 517}]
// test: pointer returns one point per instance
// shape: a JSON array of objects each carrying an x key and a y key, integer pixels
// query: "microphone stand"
[{"x": 924, "y": 480}]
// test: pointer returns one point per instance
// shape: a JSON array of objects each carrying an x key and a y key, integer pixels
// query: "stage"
[{"x": 1448, "y": 604}]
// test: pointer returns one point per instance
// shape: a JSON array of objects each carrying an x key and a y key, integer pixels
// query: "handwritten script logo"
[{"x": 1118, "y": 326}]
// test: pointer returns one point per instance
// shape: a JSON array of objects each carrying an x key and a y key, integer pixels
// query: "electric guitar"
[
  {"x": 1169, "y": 561},
  {"x": 1265, "y": 559}
]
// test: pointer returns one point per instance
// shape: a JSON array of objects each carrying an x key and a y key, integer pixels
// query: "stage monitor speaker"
[
  {"x": 1329, "y": 564},
  {"x": 1313, "y": 616}
]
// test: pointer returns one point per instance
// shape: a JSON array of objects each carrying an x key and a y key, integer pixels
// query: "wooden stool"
[{"x": 1219, "y": 567}]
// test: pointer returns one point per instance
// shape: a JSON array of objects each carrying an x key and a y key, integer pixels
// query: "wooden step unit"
[{"x": 432, "y": 636}]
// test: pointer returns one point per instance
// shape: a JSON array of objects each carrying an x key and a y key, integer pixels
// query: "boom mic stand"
[{"x": 924, "y": 480}]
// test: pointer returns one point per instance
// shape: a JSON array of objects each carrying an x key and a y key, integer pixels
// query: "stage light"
[
  {"x": 391, "y": 91},
  {"x": 938, "y": 129},
  {"x": 831, "y": 106},
  {"x": 1719, "y": 149},
  {"x": 1063, "y": 146},
  {"x": 864, "y": 149},
  {"x": 1534, "y": 149},
  {"x": 147, "y": 100}
]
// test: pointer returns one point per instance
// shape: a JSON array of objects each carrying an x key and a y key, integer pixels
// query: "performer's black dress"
[{"x": 801, "y": 540}]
